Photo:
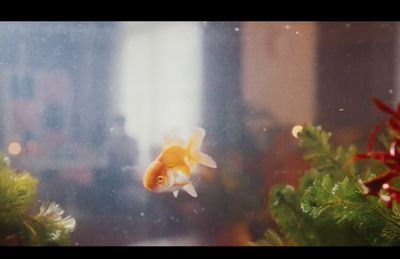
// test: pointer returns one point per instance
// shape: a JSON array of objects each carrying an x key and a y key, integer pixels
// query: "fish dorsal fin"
[
  {"x": 175, "y": 193},
  {"x": 171, "y": 139},
  {"x": 189, "y": 188}
]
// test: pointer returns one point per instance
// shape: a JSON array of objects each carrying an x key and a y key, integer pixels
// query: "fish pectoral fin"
[
  {"x": 175, "y": 193},
  {"x": 204, "y": 159},
  {"x": 189, "y": 188}
]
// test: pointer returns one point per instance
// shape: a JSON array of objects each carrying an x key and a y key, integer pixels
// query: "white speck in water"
[
  {"x": 202, "y": 209},
  {"x": 297, "y": 32},
  {"x": 157, "y": 221},
  {"x": 390, "y": 91},
  {"x": 172, "y": 218},
  {"x": 141, "y": 214},
  {"x": 341, "y": 109},
  {"x": 287, "y": 27},
  {"x": 76, "y": 243},
  {"x": 195, "y": 211},
  {"x": 347, "y": 25},
  {"x": 111, "y": 129},
  {"x": 264, "y": 129},
  {"x": 237, "y": 29},
  {"x": 129, "y": 218}
]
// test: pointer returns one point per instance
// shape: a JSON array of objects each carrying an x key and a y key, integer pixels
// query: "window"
[{"x": 160, "y": 78}]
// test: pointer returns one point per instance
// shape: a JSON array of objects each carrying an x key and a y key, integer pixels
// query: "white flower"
[
  {"x": 53, "y": 212},
  {"x": 7, "y": 161}
]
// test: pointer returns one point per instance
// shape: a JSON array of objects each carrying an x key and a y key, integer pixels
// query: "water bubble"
[
  {"x": 141, "y": 214},
  {"x": 390, "y": 91},
  {"x": 111, "y": 129},
  {"x": 237, "y": 29},
  {"x": 264, "y": 129},
  {"x": 287, "y": 27},
  {"x": 195, "y": 211},
  {"x": 341, "y": 109},
  {"x": 347, "y": 25},
  {"x": 297, "y": 32}
]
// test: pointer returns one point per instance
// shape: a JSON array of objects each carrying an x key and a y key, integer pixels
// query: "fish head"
[{"x": 156, "y": 177}]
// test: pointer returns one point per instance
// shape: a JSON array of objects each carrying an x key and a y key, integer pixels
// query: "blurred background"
[{"x": 84, "y": 107}]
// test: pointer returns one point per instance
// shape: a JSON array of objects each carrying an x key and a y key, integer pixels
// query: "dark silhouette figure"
[{"x": 122, "y": 154}]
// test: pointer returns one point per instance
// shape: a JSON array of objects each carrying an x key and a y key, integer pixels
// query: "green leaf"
[
  {"x": 329, "y": 207},
  {"x": 17, "y": 225}
]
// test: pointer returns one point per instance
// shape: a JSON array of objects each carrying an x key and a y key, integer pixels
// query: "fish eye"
[{"x": 160, "y": 179}]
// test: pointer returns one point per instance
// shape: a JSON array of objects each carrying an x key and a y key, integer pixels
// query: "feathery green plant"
[
  {"x": 329, "y": 206},
  {"x": 18, "y": 226}
]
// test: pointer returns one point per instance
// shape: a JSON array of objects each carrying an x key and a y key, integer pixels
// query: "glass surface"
[{"x": 86, "y": 107}]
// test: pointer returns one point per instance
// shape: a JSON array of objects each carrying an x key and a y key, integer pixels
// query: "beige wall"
[{"x": 278, "y": 69}]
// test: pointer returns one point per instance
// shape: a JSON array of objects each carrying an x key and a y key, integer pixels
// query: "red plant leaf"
[
  {"x": 374, "y": 185},
  {"x": 382, "y": 155},
  {"x": 395, "y": 166},
  {"x": 361, "y": 156},
  {"x": 383, "y": 107},
  {"x": 394, "y": 124}
]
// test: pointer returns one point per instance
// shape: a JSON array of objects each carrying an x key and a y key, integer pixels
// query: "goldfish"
[{"x": 172, "y": 170}]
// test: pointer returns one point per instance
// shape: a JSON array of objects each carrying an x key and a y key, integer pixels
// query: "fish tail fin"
[
  {"x": 195, "y": 155},
  {"x": 196, "y": 139}
]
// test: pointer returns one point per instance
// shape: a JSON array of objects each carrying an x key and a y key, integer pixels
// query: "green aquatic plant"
[
  {"x": 271, "y": 238},
  {"x": 18, "y": 224},
  {"x": 330, "y": 205}
]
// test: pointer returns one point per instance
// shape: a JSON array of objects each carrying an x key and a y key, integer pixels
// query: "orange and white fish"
[{"x": 172, "y": 169}]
